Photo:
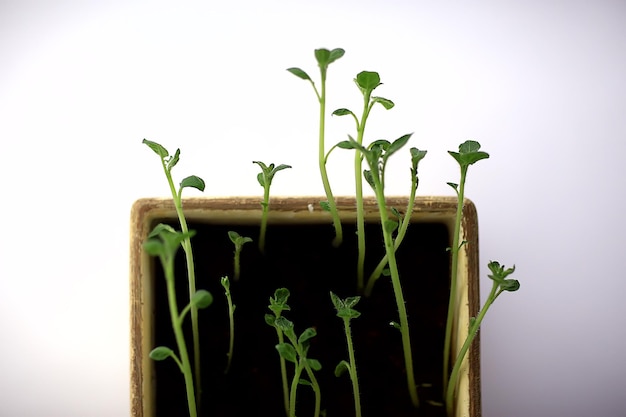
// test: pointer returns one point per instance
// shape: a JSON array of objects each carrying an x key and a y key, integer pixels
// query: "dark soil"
[{"x": 301, "y": 258}]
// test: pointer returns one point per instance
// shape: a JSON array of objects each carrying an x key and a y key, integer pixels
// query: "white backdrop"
[{"x": 541, "y": 84}]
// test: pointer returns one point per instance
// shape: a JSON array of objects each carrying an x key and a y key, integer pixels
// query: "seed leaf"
[
  {"x": 342, "y": 112},
  {"x": 287, "y": 351},
  {"x": 158, "y": 149},
  {"x": 192, "y": 181},
  {"x": 161, "y": 353},
  {"x": 367, "y": 80},
  {"x": 299, "y": 73},
  {"x": 314, "y": 364},
  {"x": 202, "y": 298},
  {"x": 341, "y": 368},
  {"x": 387, "y": 104}
]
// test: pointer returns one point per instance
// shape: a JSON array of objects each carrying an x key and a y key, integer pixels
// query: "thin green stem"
[
  {"x": 180, "y": 338},
  {"x": 191, "y": 276},
  {"x": 332, "y": 205},
  {"x": 231, "y": 342},
  {"x": 397, "y": 241},
  {"x": 358, "y": 180},
  {"x": 397, "y": 289},
  {"x": 473, "y": 330},
  {"x": 452, "y": 302},
  {"x": 294, "y": 390},
  {"x": 283, "y": 372},
  {"x": 264, "y": 216},
  {"x": 353, "y": 374},
  {"x": 237, "y": 263},
  {"x": 316, "y": 389}
]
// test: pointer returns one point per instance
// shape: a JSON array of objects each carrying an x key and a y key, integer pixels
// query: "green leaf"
[
  {"x": 304, "y": 382},
  {"x": 397, "y": 144},
  {"x": 173, "y": 160},
  {"x": 262, "y": 165},
  {"x": 281, "y": 167},
  {"x": 192, "y": 181},
  {"x": 453, "y": 185},
  {"x": 469, "y": 146},
  {"x": 417, "y": 156},
  {"x": 233, "y": 236},
  {"x": 325, "y": 205},
  {"x": 346, "y": 144},
  {"x": 368, "y": 80},
  {"x": 341, "y": 368},
  {"x": 299, "y": 73},
  {"x": 153, "y": 247},
  {"x": 307, "y": 335},
  {"x": 161, "y": 353},
  {"x": 161, "y": 228},
  {"x": 261, "y": 179},
  {"x": 158, "y": 149},
  {"x": 387, "y": 104},
  {"x": 369, "y": 178},
  {"x": 202, "y": 299},
  {"x": 284, "y": 324},
  {"x": 352, "y": 301},
  {"x": 287, "y": 351},
  {"x": 510, "y": 285},
  {"x": 314, "y": 364},
  {"x": 335, "y": 54},
  {"x": 270, "y": 320},
  {"x": 342, "y": 112}
]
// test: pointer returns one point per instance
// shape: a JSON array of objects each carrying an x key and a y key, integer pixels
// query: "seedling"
[
  {"x": 231, "y": 320},
  {"x": 169, "y": 162},
  {"x": 500, "y": 284},
  {"x": 416, "y": 157},
  {"x": 278, "y": 304},
  {"x": 345, "y": 310},
  {"x": 296, "y": 351},
  {"x": 468, "y": 154},
  {"x": 265, "y": 178},
  {"x": 164, "y": 242},
  {"x": 324, "y": 58},
  {"x": 377, "y": 155},
  {"x": 367, "y": 81},
  {"x": 238, "y": 241}
]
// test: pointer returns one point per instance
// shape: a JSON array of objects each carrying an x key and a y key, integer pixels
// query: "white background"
[{"x": 541, "y": 84}]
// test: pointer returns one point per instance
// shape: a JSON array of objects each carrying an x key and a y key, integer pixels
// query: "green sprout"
[
  {"x": 231, "y": 319},
  {"x": 278, "y": 304},
  {"x": 164, "y": 242},
  {"x": 265, "y": 178},
  {"x": 416, "y": 156},
  {"x": 468, "y": 154},
  {"x": 345, "y": 310},
  {"x": 500, "y": 284},
  {"x": 168, "y": 162},
  {"x": 324, "y": 58},
  {"x": 377, "y": 155},
  {"x": 366, "y": 81},
  {"x": 238, "y": 241},
  {"x": 296, "y": 351}
]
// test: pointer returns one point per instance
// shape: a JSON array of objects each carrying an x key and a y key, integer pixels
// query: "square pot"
[{"x": 298, "y": 245}]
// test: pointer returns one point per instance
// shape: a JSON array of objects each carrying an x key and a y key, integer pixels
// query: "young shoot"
[
  {"x": 168, "y": 162},
  {"x": 377, "y": 155},
  {"x": 238, "y": 241},
  {"x": 163, "y": 242},
  {"x": 296, "y": 351},
  {"x": 345, "y": 310},
  {"x": 468, "y": 154},
  {"x": 366, "y": 81},
  {"x": 278, "y": 304},
  {"x": 231, "y": 320},
  {"x": 500, "y": 284},
  {"x": 416, "y": 157},
  {"x": 324, "y": 58},
  {"x": 265, "y": 178}
]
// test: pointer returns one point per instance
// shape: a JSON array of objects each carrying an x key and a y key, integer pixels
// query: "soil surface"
[{"x": 301, "y": 259}]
